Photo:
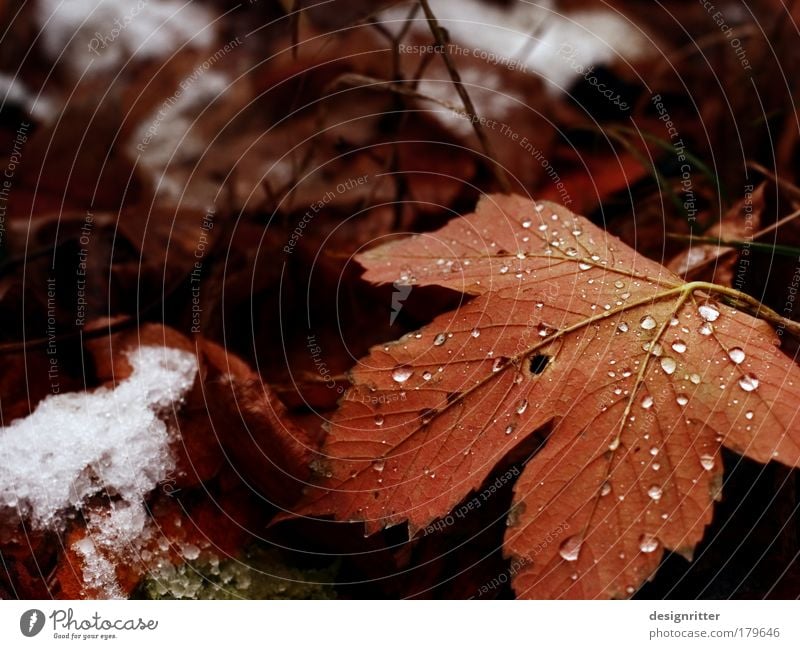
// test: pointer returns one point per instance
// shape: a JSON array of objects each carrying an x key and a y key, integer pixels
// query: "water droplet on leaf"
[
  {"x": 402, "y": 373},
  {"x": 679, "y": 346},
  {"x": 648, "y": 543},
  {"x": 708, "y": 312},
  {"x": 648, "y": 322},
  {"x": 571, "y": 548},
  {"x": 736, "y": 354},
  {"x": 748, "y": 382}
]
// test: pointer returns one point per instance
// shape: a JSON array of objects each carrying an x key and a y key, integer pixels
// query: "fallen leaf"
[{"x": 643, "y": 378}]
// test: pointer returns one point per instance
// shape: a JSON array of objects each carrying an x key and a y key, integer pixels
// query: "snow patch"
[
  {"x": 170, "y": 134},
  {"x": 532, "y": 35},
  {"x": 113, "y": 441},
  {"x": 105, "y": 34},
  {"x": 14, "y": 91}
]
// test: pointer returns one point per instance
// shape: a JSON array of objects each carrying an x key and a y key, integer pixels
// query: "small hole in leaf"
[{"x": 539, "y": 363}]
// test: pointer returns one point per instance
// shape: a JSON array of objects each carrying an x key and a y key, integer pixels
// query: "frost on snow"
[{"x": 110, "y": 441}]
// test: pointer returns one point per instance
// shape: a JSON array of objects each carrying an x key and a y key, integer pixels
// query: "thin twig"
[
  {"x": 365, "y": 82},
  {"x": 442, "y": 42},
  {"x": 791, "y": 188},
  {"x": 789, "y": 251}
]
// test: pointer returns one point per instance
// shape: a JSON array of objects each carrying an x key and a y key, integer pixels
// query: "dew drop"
[
  {"x": 682, "y": 399},
  {"x": 695, "y": 378},
  {"x": 476, "y": 333},
  {"x": 655, "y": 492},
  {"x": 647, "y": 402},
  {"x": 499, "y": 363},
  {"x": 706, "y": 329},
  {"x": 522, "y": 406},
  {"x": 648, "y": 543},
  {"x": 708, "y": 312},
  {"x": 668, "y": 365},
  {"x": 503, "y": 269},
  {"x": 619, "y": 284},
  {"x": 426, "y": 376},
  {"x": 622, "y": 327},
  {"x": 527, "y": 223},
  {"x": 648, "y": 322},
  {"x": 510, "y": 429},
  {"x": 748, "y": 414},
  {"x": 654, "y": 451},
  {"x": 379, "y": 420},
  {"x": 654, "y": 348},
  {"x": 736, "y": 354},
  {"x": 679, "y": 346},
  {"x": 605, "y": 489},
  {"x": 571, "y": 548},
  {"x": 378, "y": 466},
  {"x": 584, "y": 266},
  {"x": 402, "y": 373},
  {"x": 707, "y": 462},
  {"x": 440, "y": 339},
  {"x": 748, "y": 382}
]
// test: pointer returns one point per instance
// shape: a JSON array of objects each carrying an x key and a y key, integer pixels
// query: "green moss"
[{"x": 260, "y": 574}]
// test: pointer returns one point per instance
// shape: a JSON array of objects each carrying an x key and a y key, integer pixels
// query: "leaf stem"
[{"x": 740, "y": 300}]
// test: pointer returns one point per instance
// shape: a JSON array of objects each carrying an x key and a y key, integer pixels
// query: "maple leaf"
[{"x": 642, "y": 377}]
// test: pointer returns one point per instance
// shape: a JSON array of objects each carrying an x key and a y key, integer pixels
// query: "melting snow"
[{"x": 76, "y": 445}]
